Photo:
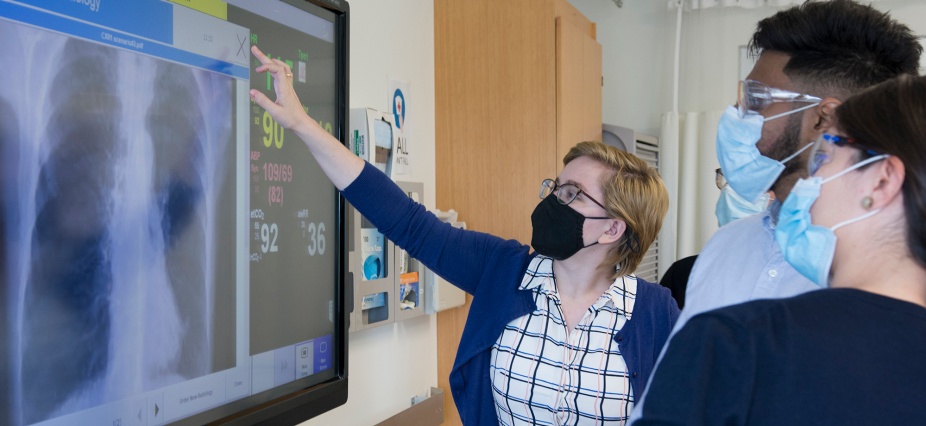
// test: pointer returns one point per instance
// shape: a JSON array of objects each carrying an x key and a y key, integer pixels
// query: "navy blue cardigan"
[{"x": 491, "y": 269}]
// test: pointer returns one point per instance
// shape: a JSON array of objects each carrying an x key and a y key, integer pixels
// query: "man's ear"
[
  {"x": 825, "y": 115},
  {"x": 614, "y": 232}
]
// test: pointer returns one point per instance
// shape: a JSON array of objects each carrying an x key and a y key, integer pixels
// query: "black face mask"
[{"x": 558, "y": 229}]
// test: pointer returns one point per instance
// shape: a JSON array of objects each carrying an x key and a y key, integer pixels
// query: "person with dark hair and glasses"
[
  {"x": 811, "y": 57},
  {"x": 563, "y": 335},
  {"x": 848, "y": 355}
]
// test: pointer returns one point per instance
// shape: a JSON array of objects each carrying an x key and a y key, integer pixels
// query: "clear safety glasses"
[{"x": 756, "y": 96}]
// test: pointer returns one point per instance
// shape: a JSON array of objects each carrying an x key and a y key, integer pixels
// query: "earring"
[{"x": 867, "y": 202}]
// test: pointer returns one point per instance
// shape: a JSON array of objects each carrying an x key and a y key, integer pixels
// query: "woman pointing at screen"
[{"x": 565, "y": 334}]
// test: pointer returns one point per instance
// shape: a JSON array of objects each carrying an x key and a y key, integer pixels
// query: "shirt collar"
[
  {"x": 770, "y": 215},
  {"x": 539, "y": 277}
]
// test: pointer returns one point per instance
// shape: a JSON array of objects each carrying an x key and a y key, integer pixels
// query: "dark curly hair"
[{"x": 838, "y": 47}]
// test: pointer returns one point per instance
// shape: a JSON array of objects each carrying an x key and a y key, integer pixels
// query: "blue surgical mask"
[
  {"x": 807, "y": 247},
  {"x": 747, "y": 171},
  {"x": 730, "y": 206}
]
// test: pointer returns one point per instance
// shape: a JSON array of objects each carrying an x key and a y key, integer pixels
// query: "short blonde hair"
[{"x": 635, "y": 194}]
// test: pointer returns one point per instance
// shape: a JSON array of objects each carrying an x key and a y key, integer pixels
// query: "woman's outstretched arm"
[{"x": 341, "y": 165}]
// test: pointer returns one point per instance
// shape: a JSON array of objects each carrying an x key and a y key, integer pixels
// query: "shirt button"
[
  {"x": 773, "y": 273},
  {"x": 634, "y": 374}
]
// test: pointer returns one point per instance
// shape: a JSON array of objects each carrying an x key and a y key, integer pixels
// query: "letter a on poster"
[{"x": 398, "y": 104}]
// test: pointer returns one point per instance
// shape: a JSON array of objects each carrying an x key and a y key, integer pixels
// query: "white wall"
[
  {"x": 392, "y": 39},
  {"x": 711, "y": 40},
  {"x": 636, "y": 56}
]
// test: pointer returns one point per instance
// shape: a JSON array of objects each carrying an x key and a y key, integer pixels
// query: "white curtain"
[
  {"x": 687, "y": 163},
  {"x": 689, "y": 159}
]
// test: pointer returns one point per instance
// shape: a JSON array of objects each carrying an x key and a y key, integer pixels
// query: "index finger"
[{"x": 264, "y": 59}]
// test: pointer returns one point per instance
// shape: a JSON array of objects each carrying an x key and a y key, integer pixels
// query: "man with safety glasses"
[{"x": 810, "y": 58}]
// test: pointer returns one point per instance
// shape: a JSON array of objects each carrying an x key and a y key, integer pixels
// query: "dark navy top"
[{"x": 829, "y": 357}]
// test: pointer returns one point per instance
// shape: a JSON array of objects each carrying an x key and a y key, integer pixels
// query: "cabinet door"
[{"x": 578, "y": 85}]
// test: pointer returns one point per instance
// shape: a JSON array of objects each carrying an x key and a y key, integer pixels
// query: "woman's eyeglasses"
[{"x": 565, "y": 193}]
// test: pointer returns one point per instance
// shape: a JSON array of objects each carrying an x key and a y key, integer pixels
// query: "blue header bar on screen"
[
  {"x": 151, "y": 19},
  {"x": 143, "y": 34}
]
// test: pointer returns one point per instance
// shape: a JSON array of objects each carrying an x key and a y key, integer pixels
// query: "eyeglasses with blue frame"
[{"x": 825, "y": 147}]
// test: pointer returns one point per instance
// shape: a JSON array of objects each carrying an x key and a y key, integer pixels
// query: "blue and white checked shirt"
[{"x": 543, "y": 373}]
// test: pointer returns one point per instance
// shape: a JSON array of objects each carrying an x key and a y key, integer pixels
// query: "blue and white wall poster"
[{"x": 398, "y": 96}]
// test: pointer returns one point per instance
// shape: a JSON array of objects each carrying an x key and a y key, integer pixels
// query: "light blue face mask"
[
  {"x": 747, "y": 171},
  {"x": 730, "y": 206},
  {"x": 807, "y": 247}
]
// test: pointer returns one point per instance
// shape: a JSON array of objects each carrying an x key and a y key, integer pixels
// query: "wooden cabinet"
[
  {"x": 578, "y": 80},
  {"x": 517, "y": 83}
]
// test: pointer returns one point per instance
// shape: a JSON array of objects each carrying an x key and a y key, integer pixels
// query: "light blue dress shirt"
[{"x": 741, "y": 262}]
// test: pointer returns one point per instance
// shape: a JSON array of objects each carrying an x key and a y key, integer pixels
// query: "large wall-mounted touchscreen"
[{"x": 168, "y": 253}]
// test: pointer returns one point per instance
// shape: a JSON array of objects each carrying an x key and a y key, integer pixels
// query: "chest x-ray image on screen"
[{"x": 123, "y": 203}]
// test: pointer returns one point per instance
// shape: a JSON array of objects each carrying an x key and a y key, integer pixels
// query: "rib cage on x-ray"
[{"x": 118, "y": 170}]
